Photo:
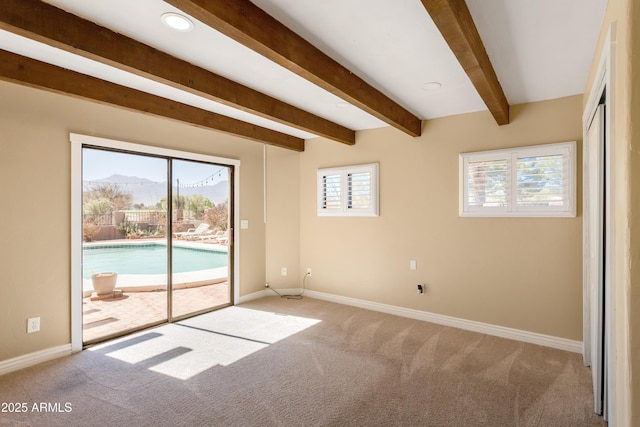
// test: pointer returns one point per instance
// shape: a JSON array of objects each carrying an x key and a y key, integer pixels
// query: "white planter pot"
[{"x": 104, "y": 283}]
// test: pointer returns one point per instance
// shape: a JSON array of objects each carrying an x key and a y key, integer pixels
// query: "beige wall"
[
  {"x": 283, "y": 219},
  {"x": 523, "y": 273},
  {"x": 35, "y": 172},
  {"x": 634, "y": 214},
  {"x": 624, "y": 16}
]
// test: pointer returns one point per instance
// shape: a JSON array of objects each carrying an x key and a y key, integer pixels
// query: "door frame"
[
  {"x": 603, "y": 85},
  {"x": 77, "y": 142}
]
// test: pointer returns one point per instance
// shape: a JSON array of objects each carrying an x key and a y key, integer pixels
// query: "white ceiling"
[{"x": 540, "y": 49}]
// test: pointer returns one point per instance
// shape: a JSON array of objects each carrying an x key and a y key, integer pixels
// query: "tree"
[
  {"x": 198, "y": 203},
  {"x": 99, "y": 206},
  {"x": 218, "y": 216},
  {"x": 119, "y": 199},
  {"x": 175, "y": 205}
]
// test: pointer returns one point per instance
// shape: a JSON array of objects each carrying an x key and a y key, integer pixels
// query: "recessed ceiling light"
[
  {"x": 177, "y": 21},
  {"x": 342, "y": 104},
  {"x": 431, "y": 86}
]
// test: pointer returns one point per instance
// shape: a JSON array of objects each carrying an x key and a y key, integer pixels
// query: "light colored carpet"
[{"x": 278, "y": 362}]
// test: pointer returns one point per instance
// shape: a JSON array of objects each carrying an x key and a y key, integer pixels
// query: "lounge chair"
[
  {"x": 198, "y": 231},
  {"x": 223, "y": 238},
  {"x": 214, "y": 237},
  {"x": 207, "y": 235}
]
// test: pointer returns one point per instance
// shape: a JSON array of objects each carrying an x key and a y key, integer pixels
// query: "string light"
[{"x": 203, "y": 181}]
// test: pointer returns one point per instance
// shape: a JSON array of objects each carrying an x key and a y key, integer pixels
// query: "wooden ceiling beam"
[
  {"x": 453, "y": 19},
  {"x": 19, "y": 69},
  {"x": 249, "y": 25},
  {"x": 48, "y": 24}
]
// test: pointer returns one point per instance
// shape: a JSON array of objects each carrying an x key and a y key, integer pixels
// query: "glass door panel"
[
  {"x": 199, "y": 237},
  {"x": 124, "y": 254}
]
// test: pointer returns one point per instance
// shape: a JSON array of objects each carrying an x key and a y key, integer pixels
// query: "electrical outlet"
[
  {"x": 421, "y": 289},
  {"x": 283, "y": 272},
  {"x": 413, "y": 265},
  {"x": 33, "y": 325},
  {"x": 309, "y": 271}
]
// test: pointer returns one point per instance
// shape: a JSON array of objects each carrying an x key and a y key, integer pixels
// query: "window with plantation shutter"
[
  {"x": 527, "y": 181},
  {"x": 348, "y": 191}
]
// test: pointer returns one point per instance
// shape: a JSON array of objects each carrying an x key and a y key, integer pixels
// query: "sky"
[{"x": 98, "y": 164}]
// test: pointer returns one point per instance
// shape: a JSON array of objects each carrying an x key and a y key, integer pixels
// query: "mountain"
[
  {"x": 122, "y": 179},
  {"x": 147, "y": 192}
]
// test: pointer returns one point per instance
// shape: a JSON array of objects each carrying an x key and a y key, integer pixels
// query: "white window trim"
[
  {"x": 511, "y": 155},
  {"x": 343, "y": 171}
]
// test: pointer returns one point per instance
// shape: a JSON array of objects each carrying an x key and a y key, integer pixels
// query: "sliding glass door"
[
  {"x": 146, "y": 260},
  {"x": 200, "y": 237}
]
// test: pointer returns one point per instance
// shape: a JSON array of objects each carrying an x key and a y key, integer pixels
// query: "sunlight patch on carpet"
[{"x": 214, "y": 339}]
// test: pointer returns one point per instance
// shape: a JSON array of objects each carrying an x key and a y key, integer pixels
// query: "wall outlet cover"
[{"x": 33, "y": 325}]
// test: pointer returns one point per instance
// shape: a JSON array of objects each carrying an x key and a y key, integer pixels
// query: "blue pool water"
[{"x": 147, "y": 259}]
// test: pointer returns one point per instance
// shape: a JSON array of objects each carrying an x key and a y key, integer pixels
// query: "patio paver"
[{"x": 105, "y": 317}]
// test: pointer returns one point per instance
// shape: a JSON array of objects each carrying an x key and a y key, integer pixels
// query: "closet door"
[{"x": 597, "y": 274}]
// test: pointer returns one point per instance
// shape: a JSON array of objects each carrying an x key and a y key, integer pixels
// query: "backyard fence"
[
  {"x": 149, "y": 217},
  {"x": 99, "y": 219},
  {"x": 156, "y": 217},
  {"x": 133, "y": 224}
]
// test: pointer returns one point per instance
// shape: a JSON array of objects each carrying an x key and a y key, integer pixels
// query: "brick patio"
[{"x": 135, "y": 309}]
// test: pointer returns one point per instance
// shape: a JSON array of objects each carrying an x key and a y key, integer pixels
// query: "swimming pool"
[{"x": 147, "y": 259}]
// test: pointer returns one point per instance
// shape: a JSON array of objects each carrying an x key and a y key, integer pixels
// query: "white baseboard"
[
  {"x": 273, "y": 292},
  {"x": 31, "y": 359},
  {"x": 469, "y": 325},
  {"x": 251, "y": 297},
  {"x": 269, "y": 292},
  {"x": 37, "y": 357}
]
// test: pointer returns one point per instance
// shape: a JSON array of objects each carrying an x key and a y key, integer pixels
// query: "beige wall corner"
[
  {"x": 522, "y": 273},
  {"x": 283, "y": 219}
]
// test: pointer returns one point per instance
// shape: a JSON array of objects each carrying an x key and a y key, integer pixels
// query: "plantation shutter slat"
[
  {"x": 541, "y": 181},
  {"x": 359, "y": 190},
  {"x": 331, "y": 192},
  {"x": 488, "y": 183}
]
